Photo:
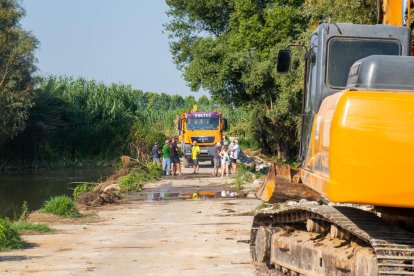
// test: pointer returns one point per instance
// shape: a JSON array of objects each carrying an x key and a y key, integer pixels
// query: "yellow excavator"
[{"x": 357, "y": 148}]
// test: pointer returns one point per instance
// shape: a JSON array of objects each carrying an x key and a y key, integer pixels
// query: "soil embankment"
[{"x": 147, "y": 237}]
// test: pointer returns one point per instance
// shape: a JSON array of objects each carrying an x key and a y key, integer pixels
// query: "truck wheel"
[{"x": 186, "y": 163}]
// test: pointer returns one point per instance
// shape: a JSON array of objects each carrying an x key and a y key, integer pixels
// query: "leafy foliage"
[
  {"x": 16, "y": 68},
  {"x": 24, "y": 213},
  {"x": 135, "y": 180},
  {"x": 9, "y": 237},
  {"x": 62, "y": 206},
  {"x": 80, "y": 189},
  {"x": 78, "y": 119},
  {"x": 229, "y": 48}
]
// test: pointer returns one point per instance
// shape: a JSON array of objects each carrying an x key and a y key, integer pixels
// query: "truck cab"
[{"x": 205, "y": 128}]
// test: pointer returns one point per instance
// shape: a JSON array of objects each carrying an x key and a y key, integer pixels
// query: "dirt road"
[{"x": 147, "y": 237}]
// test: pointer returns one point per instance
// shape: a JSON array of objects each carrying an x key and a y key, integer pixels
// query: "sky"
[{"x": 106, "y": 40}]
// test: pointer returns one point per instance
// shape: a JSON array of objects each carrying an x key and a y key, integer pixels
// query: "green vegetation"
[
  {"x": 135, "y": 180},
  {"x": 81, "y": 188},
  {"x": 24, "y": 213},
  {"x": 62, "y": 206},
  {"x": 23, "y": 226},
  {"x": 230, "y": 47},
  {"x": 244, "y": 175},
  {"x": 9, "y": 237},
  {"x": 16, "y": 69},
  {"x": 78, "y": 120}
]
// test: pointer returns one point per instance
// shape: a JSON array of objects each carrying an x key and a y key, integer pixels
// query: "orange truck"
[{"x": 205, "y": 128}]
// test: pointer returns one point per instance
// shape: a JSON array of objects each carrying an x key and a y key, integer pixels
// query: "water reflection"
[{"x": 36, "y": 187}]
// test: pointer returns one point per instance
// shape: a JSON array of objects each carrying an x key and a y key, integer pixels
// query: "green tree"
[
  {"x": 189, "y": 102},
  {"x": 17, "y": 65},
  {"x": 177, "y": 102},
  {"x": 229, "y": 48},
  {"x": 203, "y": 101}
]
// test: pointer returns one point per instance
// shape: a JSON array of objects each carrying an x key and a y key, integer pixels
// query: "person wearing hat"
[
  {"x": 216, "y": 159},
  {"x": 195, "y": 152},
  {"x": 166, "y": 155},
  {"x": 156, "y": 154}
]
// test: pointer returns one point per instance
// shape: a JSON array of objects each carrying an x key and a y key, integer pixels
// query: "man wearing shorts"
[
  {"x": 195, "y": 152},
  {"x": 234, "y": 155},
  {"x": 216, "y": 159},
  {"x": 175, "y": 159}
]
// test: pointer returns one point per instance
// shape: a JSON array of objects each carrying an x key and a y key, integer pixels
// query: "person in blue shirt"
[{"x": 156, "y": 154}]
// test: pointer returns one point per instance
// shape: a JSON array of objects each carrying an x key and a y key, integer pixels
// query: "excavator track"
[{"x": 393, "y": 246}]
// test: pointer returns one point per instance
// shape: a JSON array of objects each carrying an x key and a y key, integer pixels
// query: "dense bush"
[
  {"x": 62, "y": 206},
  {"x": 9, "y": 237}
]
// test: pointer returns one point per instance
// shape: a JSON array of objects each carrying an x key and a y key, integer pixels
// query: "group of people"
[
  {"x": 171, "y": 160},
  {"x": 225, "y": 157}
]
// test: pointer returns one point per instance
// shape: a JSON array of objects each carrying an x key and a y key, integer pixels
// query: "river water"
[{"x": 37, "y": 187}]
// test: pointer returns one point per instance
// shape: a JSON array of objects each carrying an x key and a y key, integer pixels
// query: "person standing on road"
[
  {"x": 230, "y": 153},
  {"x": 156, "y": 155},
  {"x": 166, "y": 155},
  {"x": 234, "y": 155},
  {"x": 175, "y": 159},
  {"x": 216, "y": 159},
  {"x": 195, "y": 152},
  {"x": 225, "y": 161}
]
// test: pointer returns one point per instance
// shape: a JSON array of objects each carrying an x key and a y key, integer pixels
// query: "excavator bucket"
[{"x": 282, "y": 184}]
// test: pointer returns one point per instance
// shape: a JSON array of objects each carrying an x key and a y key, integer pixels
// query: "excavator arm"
[{"x": 394, "y": 12}]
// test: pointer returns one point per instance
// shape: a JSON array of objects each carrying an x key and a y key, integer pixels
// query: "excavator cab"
[{"x": 333, "y": 49}]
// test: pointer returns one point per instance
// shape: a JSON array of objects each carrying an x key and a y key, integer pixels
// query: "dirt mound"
[
  {"x": 97, "y": 198},
  {"x": 118, "y": 174}
]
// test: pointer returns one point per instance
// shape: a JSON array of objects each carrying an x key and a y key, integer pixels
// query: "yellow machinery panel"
[{"x": 362, "y": 148}]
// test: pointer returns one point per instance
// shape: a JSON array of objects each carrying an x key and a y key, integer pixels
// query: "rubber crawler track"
[{"x": 393, "y": 246}]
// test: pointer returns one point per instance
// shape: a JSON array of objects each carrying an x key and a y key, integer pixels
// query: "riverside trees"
[{"x": 17, "y": 65}]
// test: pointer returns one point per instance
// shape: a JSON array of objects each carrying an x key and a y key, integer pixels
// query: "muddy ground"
[{"x": 143, "y": 236}]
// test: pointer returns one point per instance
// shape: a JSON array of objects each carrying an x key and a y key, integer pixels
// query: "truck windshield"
[
  {"x": 211, "y": 123},
  {"x": 343, "y": 52}
]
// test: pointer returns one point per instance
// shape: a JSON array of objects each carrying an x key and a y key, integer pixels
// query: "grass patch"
[
  {"x": 82, "y": 188},
  {"x": 62, "y": 206},
  {"x": 244, "y": 175},
  {"x": 134, "y": 181},
  {"x": 9, "y": 237},
  {"x": 22, "y": 226}
]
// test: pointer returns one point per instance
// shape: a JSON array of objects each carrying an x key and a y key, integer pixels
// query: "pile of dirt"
[
  {"x": 118, "y": 174},
  {"x": 98, "y": 198}
]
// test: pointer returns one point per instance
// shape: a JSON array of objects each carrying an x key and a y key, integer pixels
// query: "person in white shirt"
[
  {"x": 234, "y": 155},
  {"x": 225, "y": 161}
]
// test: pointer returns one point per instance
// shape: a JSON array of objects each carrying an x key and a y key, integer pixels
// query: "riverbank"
[
  {"x": 35, "y": 187},
  {"x": 150, "y": 236}
]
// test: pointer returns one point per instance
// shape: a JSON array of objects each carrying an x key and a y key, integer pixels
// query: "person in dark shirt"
[
  {"x": 156, "y": 154},
  {"x": 175, "y": 159}
]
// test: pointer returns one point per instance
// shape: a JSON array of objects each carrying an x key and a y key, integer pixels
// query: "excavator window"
[{"x": 343, "y": 52}]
